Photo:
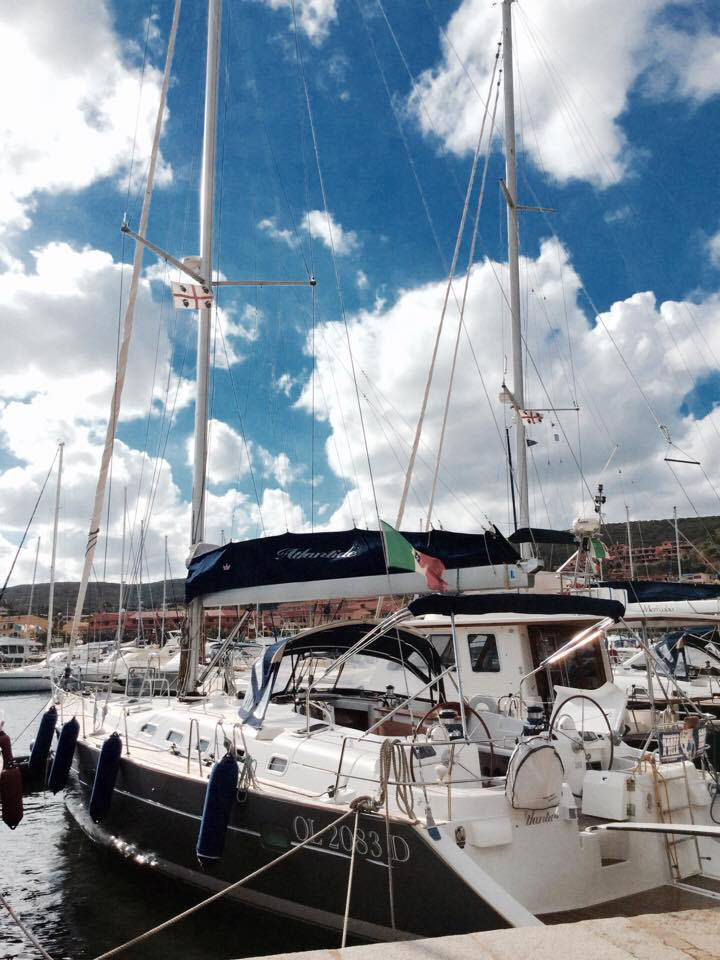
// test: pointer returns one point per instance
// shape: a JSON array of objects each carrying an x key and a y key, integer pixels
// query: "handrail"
[{"x": 194, "y": 720}]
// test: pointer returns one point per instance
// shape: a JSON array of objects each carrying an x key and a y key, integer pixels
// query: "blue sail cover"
[
  {"x": 305, "y": 557},
  {"x": 655, "y": 591}
]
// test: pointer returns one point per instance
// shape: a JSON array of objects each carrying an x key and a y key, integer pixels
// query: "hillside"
[
  {"x": 702, "y": 557},
  {"x": 100, "y": 596}
]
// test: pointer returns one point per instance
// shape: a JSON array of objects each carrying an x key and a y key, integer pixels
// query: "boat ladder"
[{"x": 666, "y": 808}]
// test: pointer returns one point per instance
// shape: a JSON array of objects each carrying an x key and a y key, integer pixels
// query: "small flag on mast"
[
  {"x": 401, "y": 555},
  {"x": 530, "y": 416},
  {"x": 191, "y": 296}
]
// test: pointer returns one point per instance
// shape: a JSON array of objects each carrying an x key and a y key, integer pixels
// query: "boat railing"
[{"x": 412, "y": 747}]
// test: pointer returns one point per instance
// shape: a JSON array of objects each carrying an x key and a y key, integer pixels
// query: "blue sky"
[{"x": 618, "y": 120}]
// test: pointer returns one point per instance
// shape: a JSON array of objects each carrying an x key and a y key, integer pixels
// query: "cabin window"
[
  {"x": 277, "y": 765},
  {"x": 444, "y": 646},
  {"x": 203, "y": 745},
  {"x": 483, "y": 653},
  {"x": 148, "y": 728},
  {"x": 175, "y": 737}
]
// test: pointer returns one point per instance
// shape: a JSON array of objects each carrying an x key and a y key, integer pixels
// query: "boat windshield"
[{"x": 583, "y": 669}]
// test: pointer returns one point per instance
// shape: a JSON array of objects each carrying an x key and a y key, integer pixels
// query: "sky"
[{"x": 346, "y": 137}]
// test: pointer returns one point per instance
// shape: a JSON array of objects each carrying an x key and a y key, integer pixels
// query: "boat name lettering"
[
  {"x": 292, "y": 553},
  {"x": 532, "y": 819},
  {"x": 340, "y": 838}
]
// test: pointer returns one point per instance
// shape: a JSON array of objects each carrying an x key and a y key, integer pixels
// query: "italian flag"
[
  {"x": 598, "y": 550},
  {"x": 401, "y": 555}
]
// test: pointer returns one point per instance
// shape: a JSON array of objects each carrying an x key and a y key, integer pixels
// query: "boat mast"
[
  {"x": 122, "y": 357},
  {"x": 514, "y": 269},
  {"x": 32, "y": 586},
  {"x": 629, "y": 539},
  {"x": 140, "y": 630},
  {"x": 51, "y": 595},
  {"x": 207, "y": 197},
  {"x": 120, "y": 622},
  {"x": 164, "y": 596},
  {"x": 677, "y": 544}
]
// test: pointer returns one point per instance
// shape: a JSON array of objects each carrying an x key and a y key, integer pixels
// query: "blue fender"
[
  {"x": 219, "y": 795},
  {"x": 105, "y": 777},
  {"x": 60, "y": 770},
  {"x": 43, "y": 741}
]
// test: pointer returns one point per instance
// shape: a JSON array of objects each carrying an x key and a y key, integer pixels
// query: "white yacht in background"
[
  {"x": 685, "y": 666},
  {"x": 17, "y": 650},
  {"x": 40, "y": 674}
]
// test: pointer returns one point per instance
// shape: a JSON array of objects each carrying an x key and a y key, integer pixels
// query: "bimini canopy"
[
  {"x": 397, "y": 645},
  {"x": 349, "y": 563},
  {"x": 526, "y": 603}
]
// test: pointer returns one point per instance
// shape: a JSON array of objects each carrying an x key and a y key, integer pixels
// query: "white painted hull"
[{"x": 24, "y": 680}]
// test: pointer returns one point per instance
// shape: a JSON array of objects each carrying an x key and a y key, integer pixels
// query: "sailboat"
[
  {"x": 456, "y": 766},
  {"x": 31, "y": 677}
]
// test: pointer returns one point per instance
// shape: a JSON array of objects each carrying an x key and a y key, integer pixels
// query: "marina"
[{"x": 491, "y": 729}]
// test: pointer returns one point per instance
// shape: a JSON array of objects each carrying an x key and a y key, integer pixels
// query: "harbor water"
[{"x": 80, "y": 900}]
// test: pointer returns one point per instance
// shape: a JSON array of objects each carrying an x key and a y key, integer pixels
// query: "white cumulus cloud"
[
  {"x": 314, "y": 17},
  {"x": 669, "y": 346},
  {"x": 576, "y": 62},
  {"x": 69, "y": 116},
  {"x": 324, "y": 228}
]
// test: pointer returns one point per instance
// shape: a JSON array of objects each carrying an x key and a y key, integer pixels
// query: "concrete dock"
[{"x": 684, "y": 935}]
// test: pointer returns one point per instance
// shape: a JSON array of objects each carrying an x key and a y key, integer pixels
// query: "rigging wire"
[
  {"x": 407, "y": 443},
  {"x": 334, "y": 260},
  {"x": 27, "y": 526},
  {"x": 449, "y": 284},
  {"x": 423, "y": 199},
  {"x": 468, "y": 271}
]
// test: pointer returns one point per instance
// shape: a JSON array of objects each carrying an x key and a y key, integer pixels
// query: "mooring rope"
[
  {"x": 30, "y": 936},
  {"x": 350, "y": 879},
  {"x": 233, "y": 886}
]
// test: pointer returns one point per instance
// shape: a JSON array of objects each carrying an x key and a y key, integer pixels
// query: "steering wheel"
[
  {"x": 453, "y": 705},
  {"x": 558, "y": 715}
]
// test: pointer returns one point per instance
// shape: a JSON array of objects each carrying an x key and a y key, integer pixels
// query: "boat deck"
[{"x": 694, "y": 893}]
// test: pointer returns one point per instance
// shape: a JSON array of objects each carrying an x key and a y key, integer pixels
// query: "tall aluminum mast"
[
  {"x": 207, "y": 198},
  {"x": 521, "y": 471}
]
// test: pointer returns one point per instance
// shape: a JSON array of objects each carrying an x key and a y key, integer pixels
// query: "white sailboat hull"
[{"x": 25, "y": 680}]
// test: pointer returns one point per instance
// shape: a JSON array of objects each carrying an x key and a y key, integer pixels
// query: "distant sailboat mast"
[
  {"x": 51, "y": 594},
  {"x": 32, "y": 586}
]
